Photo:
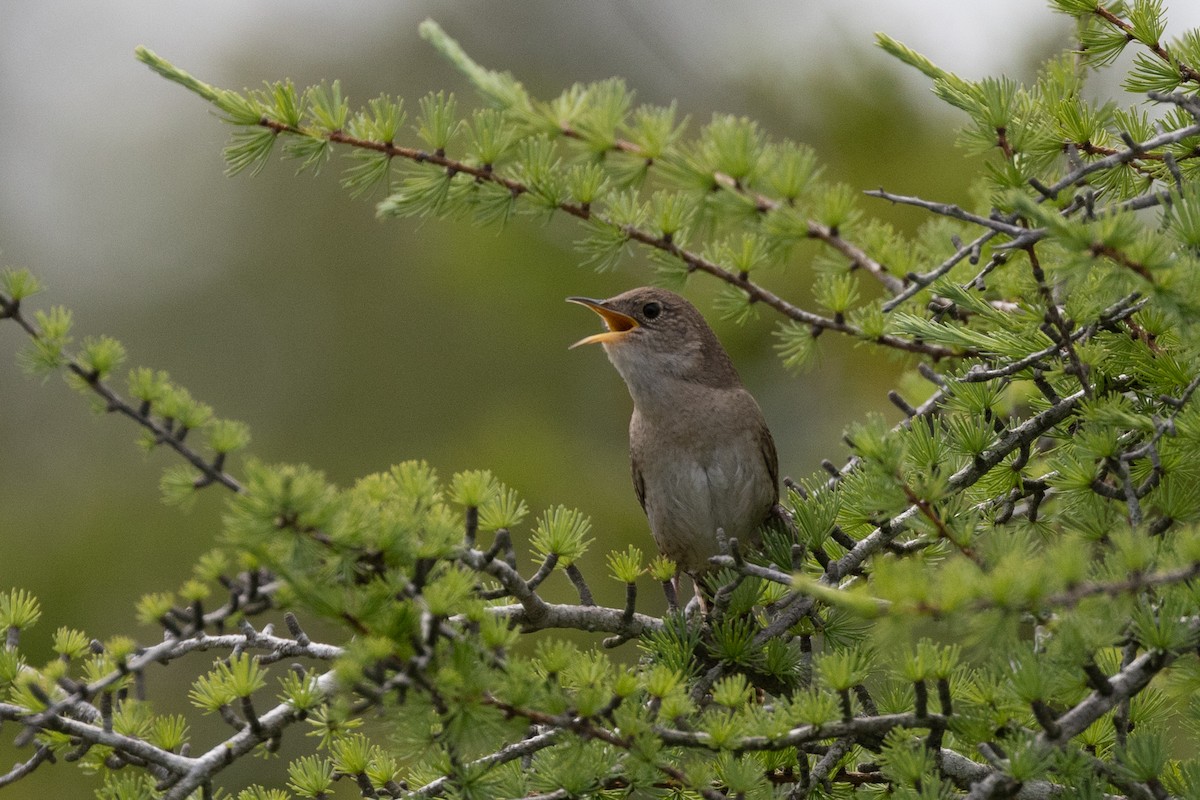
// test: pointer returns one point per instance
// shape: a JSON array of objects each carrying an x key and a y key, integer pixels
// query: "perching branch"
[{"x": 594, "y": 619}]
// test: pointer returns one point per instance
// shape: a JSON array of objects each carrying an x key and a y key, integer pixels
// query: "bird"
[{"x": 704, "y": 464}]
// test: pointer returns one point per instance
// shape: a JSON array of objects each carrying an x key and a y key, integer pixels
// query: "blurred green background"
[{"x": 353, "y": 344}]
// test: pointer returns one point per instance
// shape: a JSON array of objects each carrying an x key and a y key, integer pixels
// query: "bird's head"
[{"x": 653, "y": 332}]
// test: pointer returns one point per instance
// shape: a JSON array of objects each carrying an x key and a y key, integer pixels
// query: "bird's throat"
[{"x": 657, "y": 394}]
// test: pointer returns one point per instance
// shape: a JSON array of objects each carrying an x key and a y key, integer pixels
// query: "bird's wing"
[
  {"x": 639, "y": 483},
  {"x": 635, "y": 458},
  {"x": 766, "y": 445}
]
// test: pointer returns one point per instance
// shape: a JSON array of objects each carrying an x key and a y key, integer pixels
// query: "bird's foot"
[{"x": 671, "y": 590}]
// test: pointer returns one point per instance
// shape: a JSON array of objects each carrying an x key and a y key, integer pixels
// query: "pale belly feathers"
[{"x": 722, "y": 487}]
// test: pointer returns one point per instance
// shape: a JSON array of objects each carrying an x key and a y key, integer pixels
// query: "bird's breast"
[{"x": 698, "y": 476}]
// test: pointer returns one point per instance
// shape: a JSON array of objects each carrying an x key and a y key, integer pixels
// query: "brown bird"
[{"x": 703, "y": 460}]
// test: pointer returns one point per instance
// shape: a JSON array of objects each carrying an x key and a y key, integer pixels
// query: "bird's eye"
[{"x": 651, "y": 310}]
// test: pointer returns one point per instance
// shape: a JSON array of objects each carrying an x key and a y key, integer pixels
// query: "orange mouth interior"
[{"x": 619, "y": 325}]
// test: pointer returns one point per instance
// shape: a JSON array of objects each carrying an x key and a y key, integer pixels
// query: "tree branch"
[
  {"x": 113, "y": 401},
  {"x": 594, "y": 619},
  {"x": 949, "y": 210},
  {"x": 693, "y": 261},
  {"x": 521, "y": 749},
  {"x": 1186, "y": 72}
]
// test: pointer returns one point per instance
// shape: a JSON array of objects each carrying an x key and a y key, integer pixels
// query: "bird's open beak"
[{"x": 619, "y": 325}]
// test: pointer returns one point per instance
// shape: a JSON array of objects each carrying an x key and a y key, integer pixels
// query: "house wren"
[{"x": 702, "y": 457}]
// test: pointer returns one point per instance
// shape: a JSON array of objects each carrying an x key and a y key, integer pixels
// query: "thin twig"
[
  {"x": 521, "y": 749},
  {"x": 917, "y": 282},
  {"x": 1186, "y": 72},
  {"x": 115, "y": 402},
  {"x": 950, "y": 210},
  {"x": 23, "y": 768}
]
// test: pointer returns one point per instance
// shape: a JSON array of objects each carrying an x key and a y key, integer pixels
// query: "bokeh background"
[{"x": 352, "y": 344}]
